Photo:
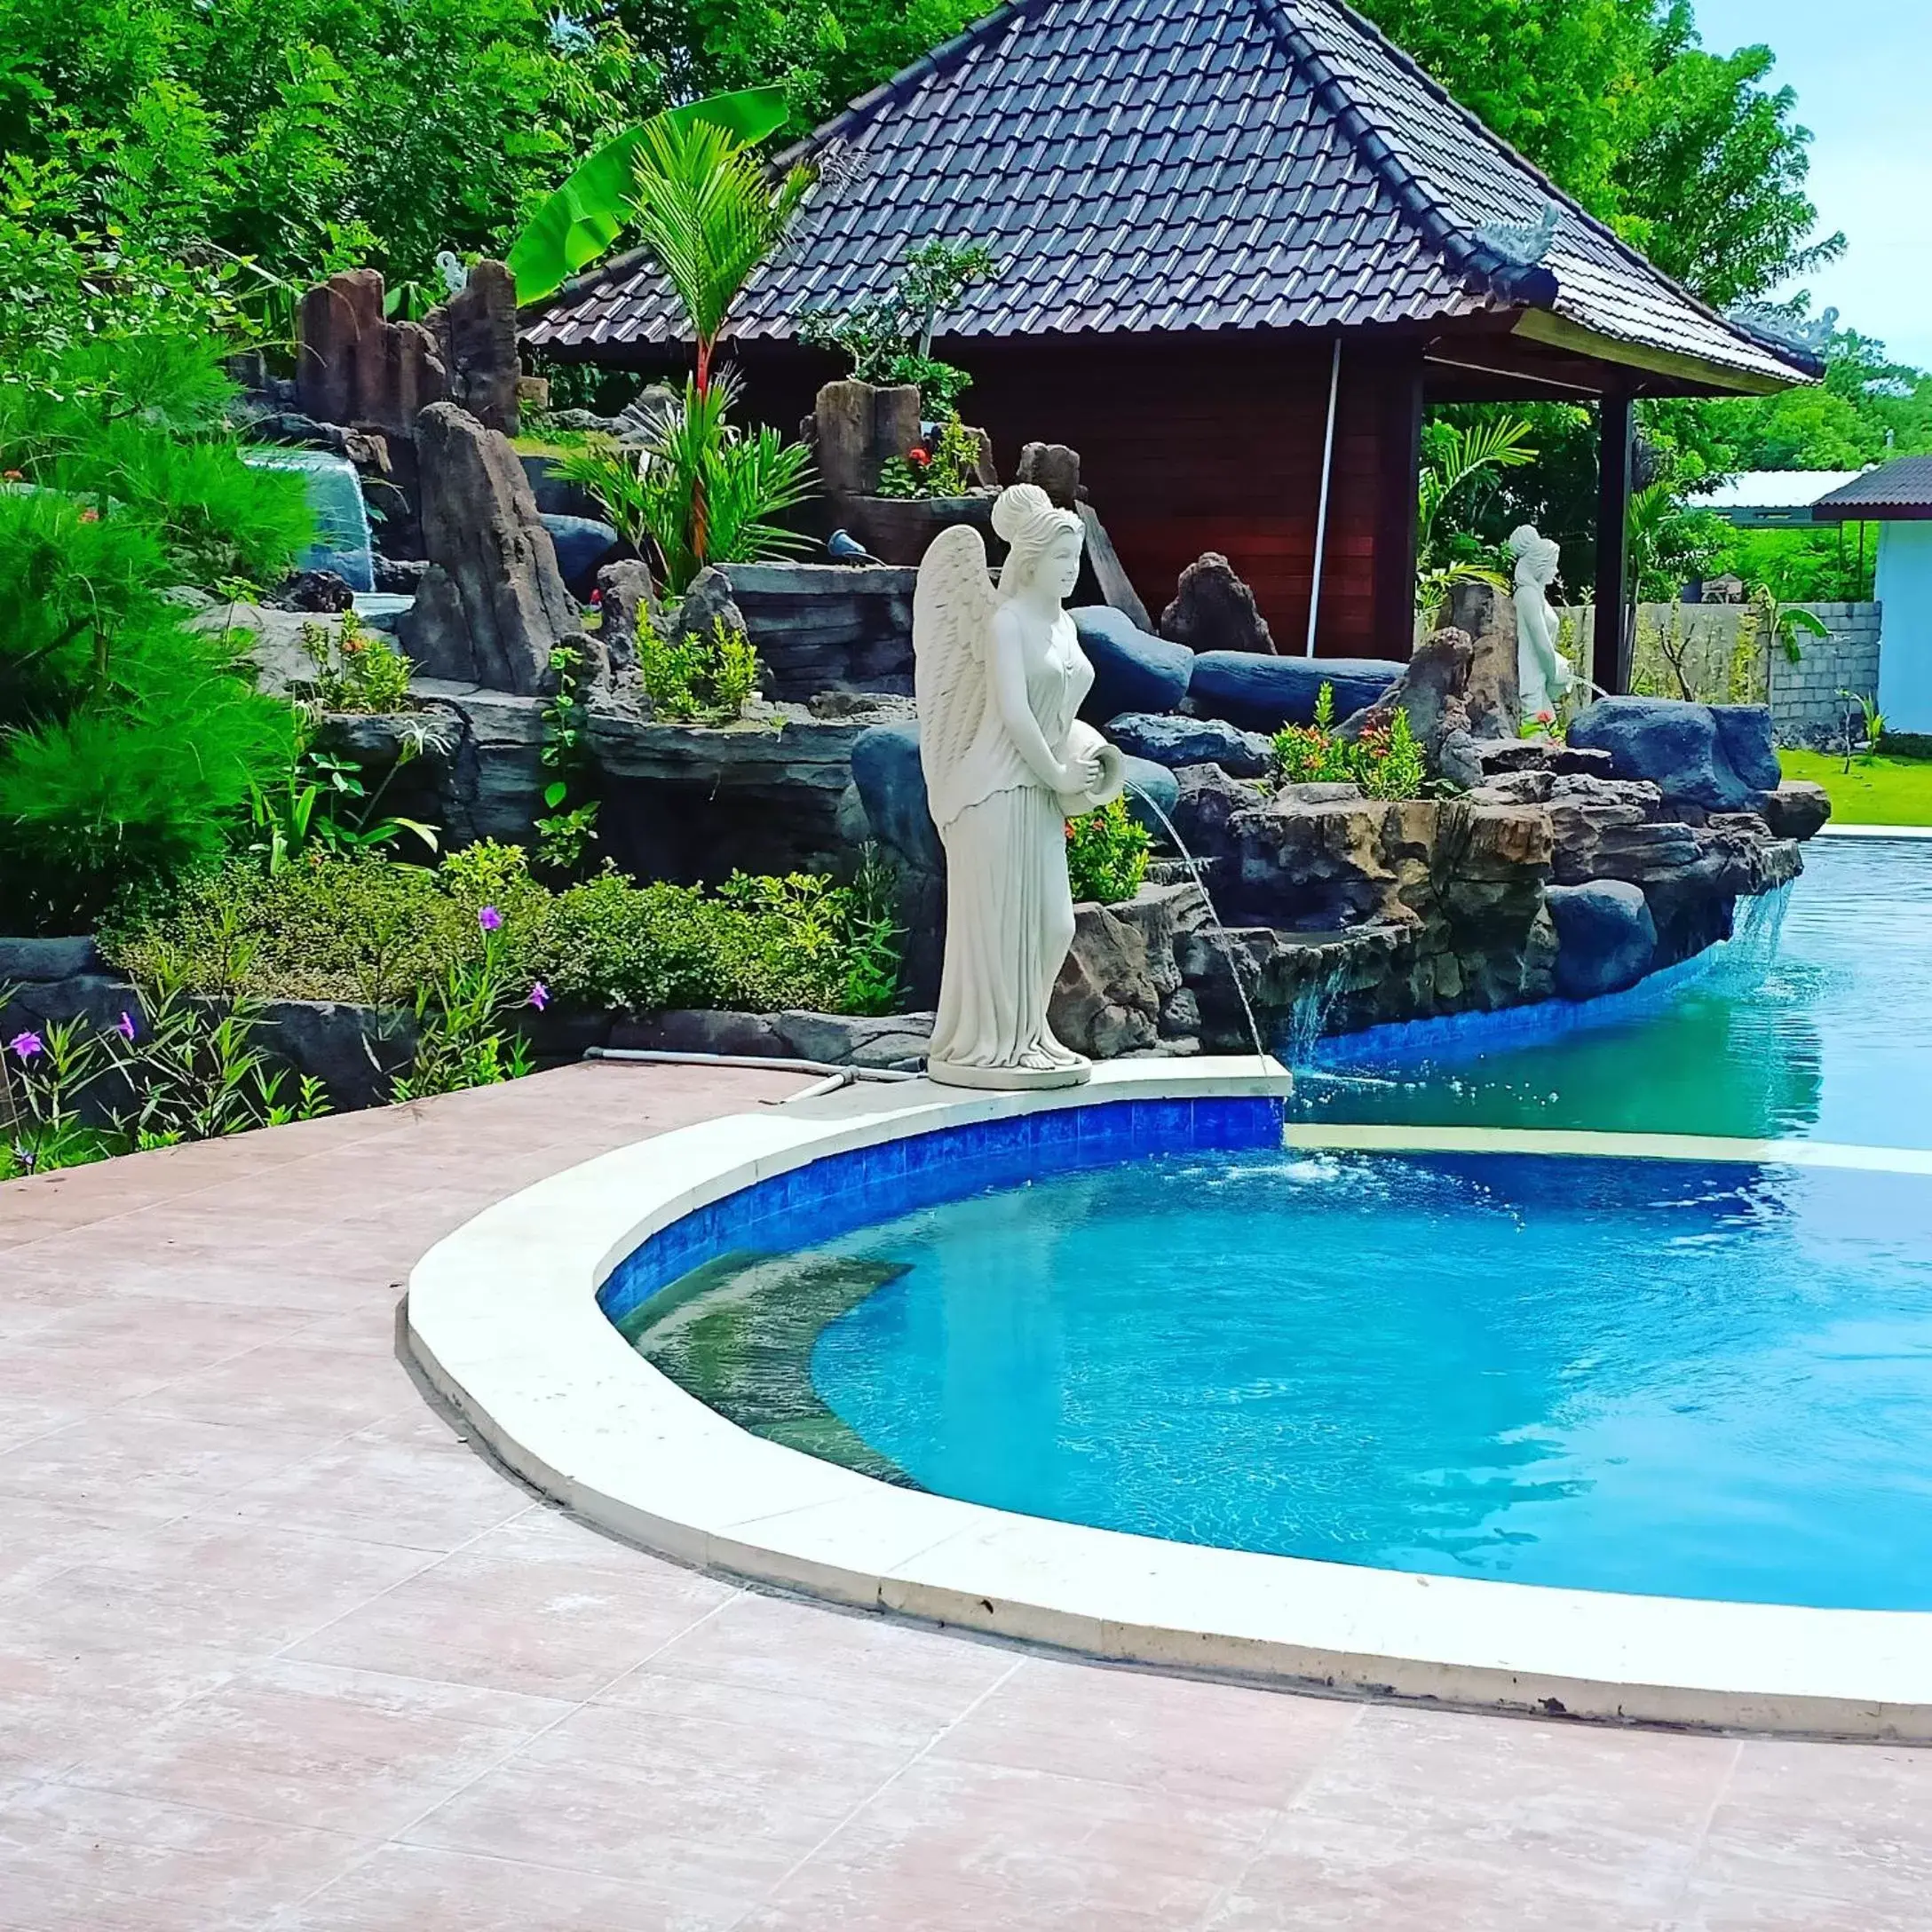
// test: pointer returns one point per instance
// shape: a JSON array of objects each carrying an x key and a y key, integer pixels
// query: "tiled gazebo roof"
[
  {"x": 1157, "y": 165},
  {"x": 1895, "y": 492}
]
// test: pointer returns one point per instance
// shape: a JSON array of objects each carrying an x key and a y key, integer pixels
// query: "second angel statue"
[{"x": 1000, "y": 676}]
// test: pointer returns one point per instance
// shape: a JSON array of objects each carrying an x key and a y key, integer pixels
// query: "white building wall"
[{"x": 1905, "y": 590}]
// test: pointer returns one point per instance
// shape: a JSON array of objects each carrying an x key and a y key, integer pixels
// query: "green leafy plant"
[
  {"x": 889, "y": 339},
  {"x": 875, "y": 938},
  {"x": 321, "y": 803},
  {"x": 46, "y": 1072},
  {"x": 701, "y": 491},
  {"x": 572, "y": 227},
  {"x": 463, "y": 1033},
  {"x": 564, "y": 829},
  {"x": 703, "y": 678},
  {"x": 1865, "y": 707},
  {"x": 946, "y": 467},
  {"x": 1106, "y": 854},
  {"x": 1458, "y": 454},
  {"x": 1384, "y": 761},
  {"x": 1786, "y": 624},
  {"x": 356, "y": 670}
]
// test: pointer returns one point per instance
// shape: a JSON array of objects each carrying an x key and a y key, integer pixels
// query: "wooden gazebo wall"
[{"x": 1192, "y": 443}]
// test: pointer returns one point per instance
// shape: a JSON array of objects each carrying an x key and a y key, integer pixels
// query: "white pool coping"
[{"x": 503, "y": 1318}]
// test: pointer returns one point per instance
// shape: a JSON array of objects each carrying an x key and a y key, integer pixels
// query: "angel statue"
[
  {"x": 999, "y": 676},
  {"x": 1543, "y": 673}
]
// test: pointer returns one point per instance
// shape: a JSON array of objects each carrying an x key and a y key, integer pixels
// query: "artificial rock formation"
[
  {"x": 858, "y": 427},
  {"x": 353, "y": 366},
  {"x": 492, "y": 606},
  {"x": 476, "y": 336},
  {"x": 1213, "y": 610}
]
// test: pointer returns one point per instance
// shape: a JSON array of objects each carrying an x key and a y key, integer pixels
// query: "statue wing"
[{"x": 953, "y": 607}]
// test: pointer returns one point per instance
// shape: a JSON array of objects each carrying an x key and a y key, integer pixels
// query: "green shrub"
[
  {"x": 356, "y": 670},
  {"x": 1106, "y": 854},
  {"x": 383, "y": 934},
  {"x": 1385, "y": 761},
  {"x": 707, "y": 677}
]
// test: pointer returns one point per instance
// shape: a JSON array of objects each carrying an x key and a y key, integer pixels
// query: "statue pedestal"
[{"x": 1008, "y": 1079}]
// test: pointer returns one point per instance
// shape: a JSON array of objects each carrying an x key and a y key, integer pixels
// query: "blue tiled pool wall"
[{"x": 844, "y": 1191}]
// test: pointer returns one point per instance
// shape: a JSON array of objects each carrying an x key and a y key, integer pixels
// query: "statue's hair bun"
[{"x": 1017, "y": 506}]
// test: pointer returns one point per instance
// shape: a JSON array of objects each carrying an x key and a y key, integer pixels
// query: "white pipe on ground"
[{"x": 1321, "y": 511}]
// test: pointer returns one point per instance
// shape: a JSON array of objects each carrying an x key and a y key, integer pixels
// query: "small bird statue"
[
  {"x": 844, "y": 548},
  {"x": 1523, "y": 244}
]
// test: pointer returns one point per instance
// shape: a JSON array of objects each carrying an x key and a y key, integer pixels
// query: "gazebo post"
[{"x": 1609, "y": 660}]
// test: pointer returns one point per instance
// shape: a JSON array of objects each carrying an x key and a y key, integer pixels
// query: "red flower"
[
  {"x": 919, "y": 455},
  {"x": 90, "y": 516}
]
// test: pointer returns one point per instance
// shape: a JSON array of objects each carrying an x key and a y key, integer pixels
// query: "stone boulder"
[
  {"x": 1606, "y": 939},
  {"x": 1714, "y": 758},
  {"x": 1133, "y": 670},
  {"x": 353, "y": 366},
  {"x": 1487, "y": 617},
  {"x": 1174, "y": 741},
  {"x": 1797, "y": 810},
  {"x": 1500, "y": 754},
  {"x": 886, "y": 770},
  {"x": 1152, "y": 793},
  {"x": 475, "y": 335},
  {"x": 492, "y": 606},
  {"x": 628, "y": 604},
  {"x": 1105, "y": 1003},
  {"x": 1263, "y": 694},
  {"x": 1052, "y": 467},
  {"x": 1213, "y": 610},
  {"x": 584, "y": 546}
]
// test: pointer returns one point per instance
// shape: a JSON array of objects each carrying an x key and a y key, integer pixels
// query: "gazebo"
[
  {"x": 1240, "y": 245},
  {"x": 1897, "y": 496}
]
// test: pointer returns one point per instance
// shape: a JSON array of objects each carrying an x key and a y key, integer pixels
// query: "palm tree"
[{"x": 707, "y": 213}]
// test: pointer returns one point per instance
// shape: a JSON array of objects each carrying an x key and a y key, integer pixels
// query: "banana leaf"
[{"x": 575, "y": 224}]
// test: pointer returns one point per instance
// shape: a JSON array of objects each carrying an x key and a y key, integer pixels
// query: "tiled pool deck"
[{"x": 278, "y": 1651}]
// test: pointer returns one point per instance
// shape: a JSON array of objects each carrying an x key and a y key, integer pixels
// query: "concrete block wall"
[{"x": 1805, "y": 702}]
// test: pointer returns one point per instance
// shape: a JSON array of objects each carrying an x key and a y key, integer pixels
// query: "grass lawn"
[{"x": 1875, "y": 791}]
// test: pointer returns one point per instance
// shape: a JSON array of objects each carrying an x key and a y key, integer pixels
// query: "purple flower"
[
  {"x": 490, "y": 919},
  {"x": 26, "y": 1046},
  {"x": 540, "y": 996},
  {"x": 124, "y": 1027}
]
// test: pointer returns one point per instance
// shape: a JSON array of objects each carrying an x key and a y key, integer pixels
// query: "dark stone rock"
[
  {"x": 583, "y": 545},
  {"x": 1052, "y": 467},
  {"x": 1745, "y": 732},
  {"x": 707, "y": 603},
  {"x": 1263, "y": 694},
  {"x": 1487, "y": 617},
  {"x": 353, "y": 366},
  {"x": 1133, "y": 670},
  {"x": 828, "y": 627},
  {"x": 315, "y": 590},
  {"x": 1796, "y": 810},
  {"x": 1204, "y": 810},
  {"x": 355, "y": 1051},
  {"x": 493, "y": 606},
  {"x": 1149, "y": 786},
  {"x": 1429, "y": 688},
  {"x": 626, "y": 599},
  {"x": 1213, "y": 610},
  {"x": 893, "y": 1041},
  {"x": 886, "y": 770},
  {"x": 1103, "y": 1003},
  {"x": 476, "y": 334},
  {"x": 1541, "y": 754},
  {"x": 1685, "y": 749},
  {"x": 48, "y": 958},
  {"x": 1174, "y": 741},
  {"x": 400, "y": 576},
  {"x": 856, "y": 427},
  {"x": 680, "y": 1031},
  {"x": 1606, "y": 939}
]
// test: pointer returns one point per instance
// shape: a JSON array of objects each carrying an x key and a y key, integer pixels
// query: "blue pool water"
[
  {"x": 1816, "y": 1025},
  {"x": 1683, "y": 1380}
]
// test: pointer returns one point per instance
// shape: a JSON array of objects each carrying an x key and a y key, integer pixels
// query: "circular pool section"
[{"x": 1667, "y": 1378}]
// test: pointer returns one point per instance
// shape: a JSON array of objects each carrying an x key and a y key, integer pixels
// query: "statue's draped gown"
[{"x": 1010, "y": 913}]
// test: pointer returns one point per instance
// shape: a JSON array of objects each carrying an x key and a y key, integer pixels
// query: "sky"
[{"x": 1862, "y": 73}]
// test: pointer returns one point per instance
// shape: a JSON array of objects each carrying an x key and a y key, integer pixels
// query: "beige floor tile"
[
  {"x": 320, "y": 1748},
  {"x": 1194, "y": 1740}
]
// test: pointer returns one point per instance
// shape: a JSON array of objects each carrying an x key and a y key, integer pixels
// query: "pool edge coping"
[{"x": 503, "y": 1318}]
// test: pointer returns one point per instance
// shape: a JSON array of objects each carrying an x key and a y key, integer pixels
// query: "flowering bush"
[
  {"x": 948, "y": 466},
  {"x": 1106, "y": 854},
  {"x": 1384, "y": 761}
]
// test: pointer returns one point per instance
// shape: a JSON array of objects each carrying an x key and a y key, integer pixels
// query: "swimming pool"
[
  {"x": 1816, "y": 1024},
  {"x": 1656, "y": 1377}
]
